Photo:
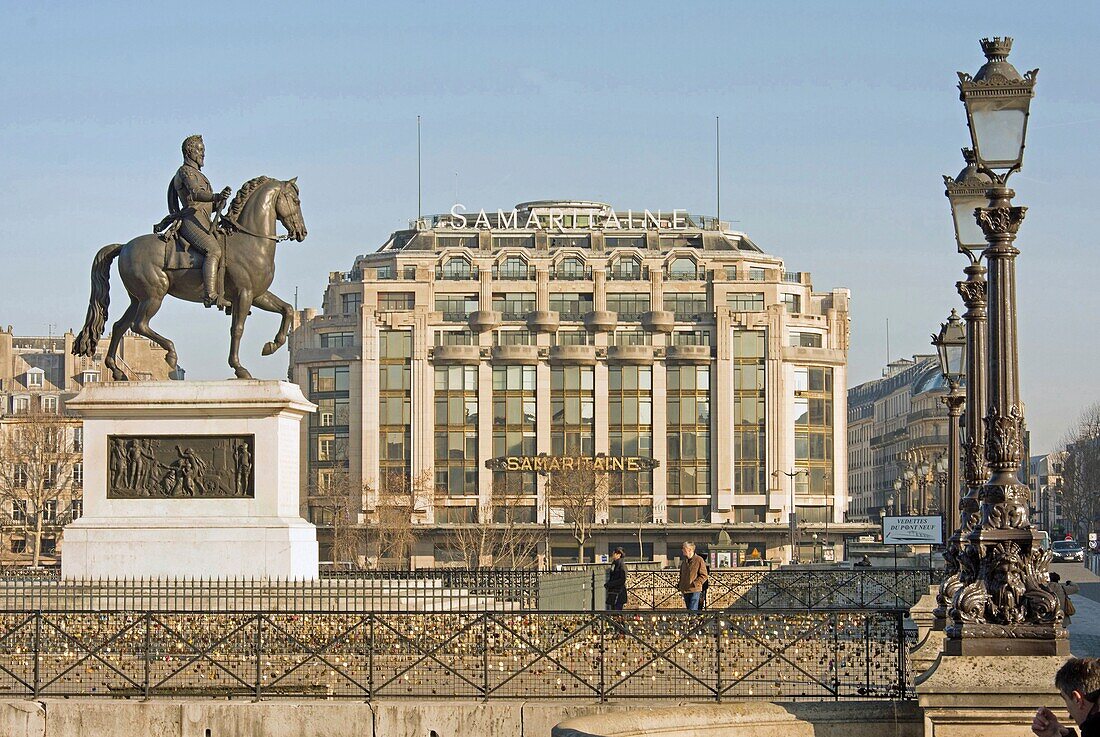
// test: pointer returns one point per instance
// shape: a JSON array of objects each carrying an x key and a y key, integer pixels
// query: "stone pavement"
[{"x": 1084, "y": 629}]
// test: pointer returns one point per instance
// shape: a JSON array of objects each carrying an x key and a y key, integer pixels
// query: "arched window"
[
  {"x": 512, "y": 267},
  {"x": 627, "y": 267},
  {"x": 571, "y": 268},
  {"x": 457, "y": 268},
  {"x": 683, "y": 268}
]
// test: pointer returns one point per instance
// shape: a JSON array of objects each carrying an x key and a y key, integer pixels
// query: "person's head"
[
  {"x": 688, "y": 549},
  {"x": 194, "y": 149},
  {"x": 1078, "y": 681},
  {"x": 1054, "y": 577},
  {"x": 617, "y": 553}
]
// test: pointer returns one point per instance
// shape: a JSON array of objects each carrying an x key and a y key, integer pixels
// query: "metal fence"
[
  {"x": 787, "y": 589},
  {"x": 472, "y": 590},
  {"x": 818, "y": 655}
]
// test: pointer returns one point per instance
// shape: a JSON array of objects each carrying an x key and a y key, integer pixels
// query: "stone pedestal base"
[
  {"x": 239, "y": 519},
  {"x": 995, "y": 696},
  {"x": 993, "y": 639},
  {"x": 221, "y": 548}
]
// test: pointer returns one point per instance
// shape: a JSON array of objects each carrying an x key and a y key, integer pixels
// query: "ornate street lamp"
[
  {"x": 1004, "y": 607},
  {"x": 950, "y": 344}
]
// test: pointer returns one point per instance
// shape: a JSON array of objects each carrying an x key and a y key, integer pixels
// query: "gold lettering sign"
[{"x": 548, "y": 464}]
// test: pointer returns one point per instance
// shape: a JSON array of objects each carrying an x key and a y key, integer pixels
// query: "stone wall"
[{"x": 419, "y": 718}]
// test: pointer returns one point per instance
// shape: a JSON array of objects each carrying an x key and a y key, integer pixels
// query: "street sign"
[
  {"x": 828, "y": 555},
  {"x": 912, "y": 530}
]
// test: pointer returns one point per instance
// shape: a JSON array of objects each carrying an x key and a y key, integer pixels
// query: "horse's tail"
[{"x": 88, "y": 339}]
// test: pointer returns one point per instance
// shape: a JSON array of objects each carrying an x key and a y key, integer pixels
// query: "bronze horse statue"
[{"x": 249, "y": 271}]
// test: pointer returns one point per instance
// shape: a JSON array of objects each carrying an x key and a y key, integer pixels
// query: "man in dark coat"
[
  {"x": 1078, "y": 682},
  {"x": 616, "y": 582}
]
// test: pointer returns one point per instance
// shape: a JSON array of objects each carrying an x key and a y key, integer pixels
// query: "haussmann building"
[{"x": 477, "y": 354}]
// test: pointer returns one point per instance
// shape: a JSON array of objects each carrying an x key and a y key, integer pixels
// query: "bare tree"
[
  {"x": 1081, "y": 472},
  {"x": 394, "y": 511},
  {"x": 581, "y": 495},
  {"x": 337, "y": 501},
  {"x": 37, "y": 458}
]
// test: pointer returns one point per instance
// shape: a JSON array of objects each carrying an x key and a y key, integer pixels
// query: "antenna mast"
[
  {"x": 717, "y": 172},
  {"x": 419, "y": 207}
]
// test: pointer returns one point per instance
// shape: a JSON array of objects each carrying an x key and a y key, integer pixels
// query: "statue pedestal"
[{"x": 191, "y": 479}]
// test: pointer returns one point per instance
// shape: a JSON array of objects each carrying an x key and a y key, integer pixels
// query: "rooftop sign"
[{"x": 555, "y": 218}]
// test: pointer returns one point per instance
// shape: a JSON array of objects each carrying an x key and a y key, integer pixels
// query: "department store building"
[{"x": 475, "y": 354}]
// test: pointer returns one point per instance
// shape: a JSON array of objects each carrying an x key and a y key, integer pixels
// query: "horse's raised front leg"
[
  {"x": 117, "y": 332},
  {"x": 271, "y": 303},
  {"x": 241, "y": 305}
]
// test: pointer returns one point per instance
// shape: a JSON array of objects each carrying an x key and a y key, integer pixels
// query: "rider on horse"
[{"x": 192, "y": 202}]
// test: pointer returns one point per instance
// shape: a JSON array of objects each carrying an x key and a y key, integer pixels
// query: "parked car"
[{"x": 1066, "y": 550}]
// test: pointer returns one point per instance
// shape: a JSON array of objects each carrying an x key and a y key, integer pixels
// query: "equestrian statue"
[{"x": 199, "y": 255}]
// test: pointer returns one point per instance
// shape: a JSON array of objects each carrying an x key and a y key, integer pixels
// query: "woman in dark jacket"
[{"x": 616, "y": 582}]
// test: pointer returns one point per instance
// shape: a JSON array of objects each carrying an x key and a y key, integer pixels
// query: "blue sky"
[{"x": 838, "y": 119}]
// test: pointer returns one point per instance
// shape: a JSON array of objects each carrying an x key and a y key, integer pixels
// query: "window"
[
  {"x": 350, "y": 303},
  {"x": 572, "y": 337},
  {"x": 395, "y": 409},
  {"x": 78, "y": 475},
  {"x": 35, "y": 377},
  {"x": 630, "y": 306},
  {"x": 456, "y": 269},
  {"x": 89, "y": 377},
  {"x": 19, "y": 545},
  {"x": 630, "y": 425},
  {"x": 571, "y": 306},
  {"x": 514, "y": 305},
  {"x": 625, "y": 268},
  {"x": 793, "y": 303},
  {"x": 385, "y": 273},
  {"x": 76, "y": 509},
  {"x": 691, "y": 337},
  {"x": 569, "y": 241},
  {"x": 757, "y": 273},
  {"x": 49, "y": 404},
  {"x": 49, "y": 510},
  {"x": 19, "y": 478},
  {"x": 683, "y": 268},
  {"x": 631, "y": 336},
  {"x": 513, "y": 241},
  {"x": 19, "y": 510},
  {"x": 337, "y": 340},
  {"x": 466, "y": 240},
  {"x": 78, "y": 439},
  {"x": 396, "y": 301},
  {"x": 573, "y": 412},
  {"x": 805, "y": 340},
  {"x": 572, "y": 268},
  {"x": 612, "y": 242},
  {"x": 687, "y": 307},
  {"x": 687, "y": 513},
  {"x": 454, "y": 337},
  {"x": 688, "y": 421},
  {"x": 746, "y": 301},
  {"x": 456, "y": 417},
  {"x": 748, "y": 412},
  {"x": 329, "y": 379},
  {"x": 456, "y": 307},
  {"x": 513, "y": 267},
  {"x": 812, "y": 411},
  {"x": 20, "y": 405},
  {"x": 521, "y": 336},
  {"x": 514, "y": 426}
]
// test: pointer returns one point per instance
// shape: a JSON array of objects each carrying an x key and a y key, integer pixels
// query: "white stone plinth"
[{"x": 258, "y": 537}]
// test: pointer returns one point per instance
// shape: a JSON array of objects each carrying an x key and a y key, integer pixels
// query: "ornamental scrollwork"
[
  {"x": 1004, "y": 437},
  {"x": 972, "y": 292},
  {"x": 996, "y": 221}
]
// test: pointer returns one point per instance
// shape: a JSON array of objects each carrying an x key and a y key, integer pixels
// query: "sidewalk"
[{"x": 1084, "y": 629}]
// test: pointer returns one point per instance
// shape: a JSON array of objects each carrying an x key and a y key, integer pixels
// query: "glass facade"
[
  {"x": 514, "y": 426},
  {"x": 630, "y": 425},
  {"x": 394, "y": 410},
  {"x": 456, "y": 431},
  {"x": 688, "y": 406},
  {"x": 749, "y": 413},
  {"x": 813, "y": 429},
  {"x": 573, "y": 407},
  {"x": 630, "y": 306}
]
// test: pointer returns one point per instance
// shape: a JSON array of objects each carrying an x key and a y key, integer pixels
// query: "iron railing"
[
  {"x": 787, "y": 589},
  {"x": 823, "y": 655},
  {"x": 452, "y": 589}
]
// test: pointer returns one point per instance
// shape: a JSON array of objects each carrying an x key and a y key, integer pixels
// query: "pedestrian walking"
[
  {"x": 1063, "y": 591},
  {"x": 1078, "y": 683},
  {"x": 693, "y": 574},
  {"x": 616, "y": 582}
]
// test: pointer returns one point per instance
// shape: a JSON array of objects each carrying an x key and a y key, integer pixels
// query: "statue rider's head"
[{"x": 194, "y": 150}]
